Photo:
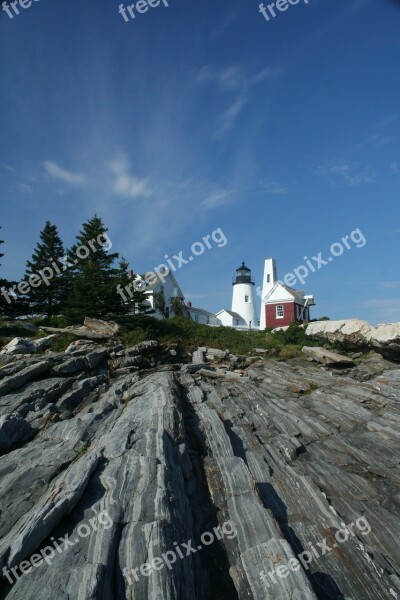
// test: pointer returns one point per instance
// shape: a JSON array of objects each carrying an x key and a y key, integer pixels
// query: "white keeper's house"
[{"x": 166, "y": 284}]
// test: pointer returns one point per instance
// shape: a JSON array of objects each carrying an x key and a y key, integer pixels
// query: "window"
[
  {"x": 237, "y": 321},
  {"x": 268, "y": 278},
  {"x": 279, "y": 311},
  {"x": 246, "y": 298},
  {"x": 196, "y": 318}
]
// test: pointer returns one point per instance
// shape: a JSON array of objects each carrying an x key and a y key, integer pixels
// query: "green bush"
[
  {"x": 189, "y": 335},
  {"x": 61, "y": 343}
]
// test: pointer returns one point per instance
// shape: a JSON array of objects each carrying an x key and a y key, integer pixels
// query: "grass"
[
  {"x": 61, "y": 342},
  {"x": 311, "y": 388},
  {"x": 189, "y": 335},
  {"x": 81, "y": 450}
]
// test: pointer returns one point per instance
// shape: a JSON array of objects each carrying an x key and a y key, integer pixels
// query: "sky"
[{"x": 204, "y": 116}]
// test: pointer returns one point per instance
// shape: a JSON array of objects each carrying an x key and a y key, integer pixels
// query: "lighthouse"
[{"x": 243, "y": 300}]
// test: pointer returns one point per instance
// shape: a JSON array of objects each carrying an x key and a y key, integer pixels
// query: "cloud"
[
  {"x": 235, "y": 80},
  {"x": 394, "y": 167},
  {"x": 380, "y": 139},
  {"x": 349, "y": 173},
  {"x": 217, "y": 198},
  {"x": 274, "y": 187},
  {"x": 228, "y": 118},
  {"x": 62, "y": 174},
  {"x": 24, "y": 188},
  {"x": 125, "y": 183},
  {"x": 229, "y": 79},
  {"x": 234, "y": 77}
]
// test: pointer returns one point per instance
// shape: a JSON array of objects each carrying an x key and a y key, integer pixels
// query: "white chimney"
[{"x": 269, "y": 280}]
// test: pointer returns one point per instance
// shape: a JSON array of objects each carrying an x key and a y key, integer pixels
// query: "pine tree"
[
  {"x": 47, "y": 297},
  {"x": 3, "y": 283},
  {"x": 133, "y": 299},
  {"x": 95, "y": 279},
  {"x": 1, "y": 255},
  {"x": 11, "y": 304}
]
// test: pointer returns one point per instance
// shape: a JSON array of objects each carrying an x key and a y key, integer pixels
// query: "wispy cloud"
[
  {"x": 228, "y": 118},
  {"x": 217, "y": 198},
  {"x": 349, "y": 173},
  {"x": 394, "y": 167},
  {"x": 125, "y": 183},
  {"x": 234, "y": 79},
  {"x": 24, "y": 188},
  {"x": 61, "y": 174},
  {"x": 273, "y": 187},
  {"x": 380, "y": 139}
]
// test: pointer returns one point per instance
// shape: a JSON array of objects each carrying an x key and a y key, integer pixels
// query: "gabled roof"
[
  {"x": 200, "y": 310},
  {"x": 295, "y": 294},
  {"x": 159, "y": 281},
  {"x": 235, "y": 315}
]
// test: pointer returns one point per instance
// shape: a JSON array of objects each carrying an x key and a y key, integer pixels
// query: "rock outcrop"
[
  {"x": 131, "y": 457},
  {"x": 25, "y": 346},
  {"x": 326, "y": 357},
  {"x": 92, "y": 329},
  {"x": 353, "y": 334}
]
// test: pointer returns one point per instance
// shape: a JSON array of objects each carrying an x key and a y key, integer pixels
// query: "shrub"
[{"x": 61, "y": 343}]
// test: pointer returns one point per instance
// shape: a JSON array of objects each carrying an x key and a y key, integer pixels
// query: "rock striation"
[{"x": 290, "y": 453}]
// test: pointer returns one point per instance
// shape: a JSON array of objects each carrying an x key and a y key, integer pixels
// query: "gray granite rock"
[
  {"x": 326, "y": 357},
  {"x": 276, "y": 470}
]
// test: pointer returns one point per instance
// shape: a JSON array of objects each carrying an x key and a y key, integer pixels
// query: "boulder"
[
  {"x": 43, "y": 343},
  {"x": 148, "y": 347},
  {"x": 18, "y": 346},
  {"x": 328, "y": 358},
  {"x": 350, "y": 334},
  {"x": 23, "y": 346},
  {"x": 104, "y": 328},
  {"x": 199, "y": 356},
  {"x": 216, "y": 354},
  {"x": 353, "y": 334},
  {"x": 93, "y": 329},
  {"x": 386, "y": 339}
]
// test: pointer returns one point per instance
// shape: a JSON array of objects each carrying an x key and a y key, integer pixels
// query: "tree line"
[{"x": 71, "y": 283}]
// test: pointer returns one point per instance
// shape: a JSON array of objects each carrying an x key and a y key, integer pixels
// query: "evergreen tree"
[
  {"x": 95, "y": 279},
  {"x": 47, "y": 297},
  {"x": 3, "y": 284},
  {"x": 1, "y": 255},
  {"x": 11, "y": 303},
  {"x": 133, "y": 298}
]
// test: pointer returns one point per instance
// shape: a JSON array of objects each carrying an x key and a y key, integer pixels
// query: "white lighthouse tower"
[
  {"x": 270, "y": 278},
  {"x": 243, "y": 300}
]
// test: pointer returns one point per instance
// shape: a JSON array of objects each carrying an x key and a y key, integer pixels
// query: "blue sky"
[{"x": 203, "y": 115}]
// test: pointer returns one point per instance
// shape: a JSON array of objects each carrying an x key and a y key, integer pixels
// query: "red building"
[
  {"x": 281, "y": 304},
  {"x": 290, "y": 306}
]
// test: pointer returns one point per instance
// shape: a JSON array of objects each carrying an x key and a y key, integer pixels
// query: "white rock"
[{"x": 18, "y": 346}]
